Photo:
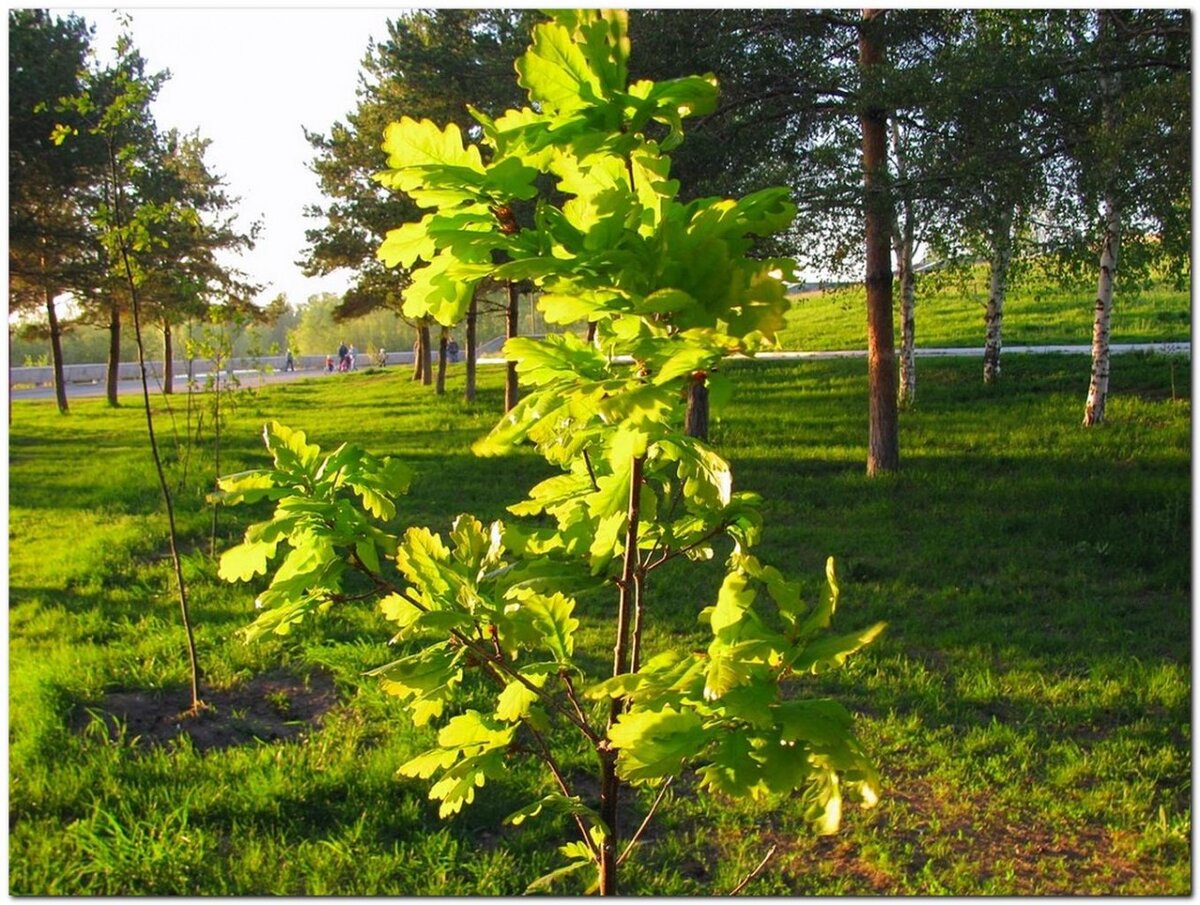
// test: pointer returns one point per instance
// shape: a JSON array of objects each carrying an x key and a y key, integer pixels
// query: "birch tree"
[{"x": 1132, "y": 162}]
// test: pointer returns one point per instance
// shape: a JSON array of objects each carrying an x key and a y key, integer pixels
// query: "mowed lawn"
[
  {"x": 1029, "y": 705},
  {"x": 949, "y": 314}
]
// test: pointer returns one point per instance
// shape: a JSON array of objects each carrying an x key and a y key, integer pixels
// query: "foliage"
[
  {"x": 431, "y": 63},
  {"x": 669, "y": 285}
]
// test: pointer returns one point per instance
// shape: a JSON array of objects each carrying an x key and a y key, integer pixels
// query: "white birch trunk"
[
  {"x": 906, "y": 393},
  {"x": 997, "y": 290},
  {"x": 903, "y": 242},
  {"x": 1093, "y": 412}
]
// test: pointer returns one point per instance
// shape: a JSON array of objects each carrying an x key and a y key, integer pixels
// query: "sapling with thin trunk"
[{"x": 495, "y": 603}]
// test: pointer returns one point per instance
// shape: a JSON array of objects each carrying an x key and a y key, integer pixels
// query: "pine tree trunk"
[
  {"x": 56, "y": 354},
  {"x": 472, "y": 317},
  {"x": 883, "y": 440},
  {"x": 511, "y": 329},
  {"x": 993, "y": 315},
  {"x": 440, "y": 388},
  {"x": 1093, "y": 412},
  {"x": 426, "y": 356},
  {"x": 114, "y": 354},
  {"x": 168, "y": 375}
]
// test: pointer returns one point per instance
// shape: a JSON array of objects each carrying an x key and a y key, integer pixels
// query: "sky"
[{"x": 250, "y": 80}]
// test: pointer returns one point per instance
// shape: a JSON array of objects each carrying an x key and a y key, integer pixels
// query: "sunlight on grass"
[{"x": 1029, "y": 704}]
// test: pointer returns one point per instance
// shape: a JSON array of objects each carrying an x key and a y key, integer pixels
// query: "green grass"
[
  {"x": 950, "y": 315},
  {"x": 1029, "y": 704}
]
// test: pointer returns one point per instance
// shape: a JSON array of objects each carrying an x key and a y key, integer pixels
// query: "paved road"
[{"x": 256, "y": 378}]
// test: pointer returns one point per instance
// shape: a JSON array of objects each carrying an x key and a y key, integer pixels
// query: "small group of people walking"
[
  {"x": 345, "y": 359},
  {"x": 346, "y": 356}
]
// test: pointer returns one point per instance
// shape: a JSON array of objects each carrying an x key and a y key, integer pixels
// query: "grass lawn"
[
  {"x": 1029, "y": 705},
  {"x": 951, "y": 315}
]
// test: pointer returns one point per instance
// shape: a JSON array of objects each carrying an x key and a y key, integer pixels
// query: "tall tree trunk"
[
  {"x": 440, "y": 387},
  {"x": 883, "y": 441},
  {"x": 511, "y": 329},
  {"x": 903, "y": 241},
  {"x": 168, "y": 374},
  {"x": 114, "y": 354},
  {"x": 472, "y": 317},
  {"x": 426, "y": 356},
  {"x": 993, "y": 315},
  {"x": 418, "y": 355},
  {"x": 56, "y": 354},
  {"x": 1093, "y": 412}
]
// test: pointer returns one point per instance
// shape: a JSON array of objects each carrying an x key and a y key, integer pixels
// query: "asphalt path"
[{"x": 264, "y": 378}]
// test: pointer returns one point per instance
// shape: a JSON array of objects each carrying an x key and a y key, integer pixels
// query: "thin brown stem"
[
  {"x": 193, "y": 662},
  {"x": 669, "y": 554},
  {"x": 548, "y": 758},
  {"x": 646, "y": 822},
  {"x": 571, "y": 695},
  {"x": 753, "y": 875},
  {"x": 635, "y": 644},
  {"x": 628, "y": 582}
]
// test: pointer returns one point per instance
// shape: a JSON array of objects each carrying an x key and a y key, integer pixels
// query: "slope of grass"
[
  {"x": 950, "y": 315},
  {"x": 1029, "y": 704}
]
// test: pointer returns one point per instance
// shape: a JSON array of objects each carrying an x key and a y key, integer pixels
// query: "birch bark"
[
  {"x": 1093, "y": 412},
  {"x": 993, "y": 316},
  {"x": 903, "y": 242}
]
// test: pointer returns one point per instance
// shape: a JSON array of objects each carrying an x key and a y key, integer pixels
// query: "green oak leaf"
[
  {"x": 654, "y": 745},
  {"x": 555, "y": 71}
]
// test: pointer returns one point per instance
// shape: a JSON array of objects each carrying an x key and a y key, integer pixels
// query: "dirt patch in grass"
[
  {"x": 929, "y": 841},
  {"x": 270, "y": 707}
]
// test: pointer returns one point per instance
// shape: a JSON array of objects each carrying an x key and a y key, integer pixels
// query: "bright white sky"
[{"x": 249, "y": 80}]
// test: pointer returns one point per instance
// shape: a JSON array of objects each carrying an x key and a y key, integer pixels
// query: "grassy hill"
[{"x": 950, "y": 314}]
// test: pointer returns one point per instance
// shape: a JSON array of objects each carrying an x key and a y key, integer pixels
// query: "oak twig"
[{"x": 753, "y": 875}]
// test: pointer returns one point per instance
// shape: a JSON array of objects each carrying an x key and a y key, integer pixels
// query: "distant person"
[
  {"x": 290, "y": 363},
  {"x": 350, "y": 357},
  {"x": 329, "y": 364},
  {"x": 452, "y": 350},
  {"x": 342, "y": 353},
  {"x": 381, "y": 358}
]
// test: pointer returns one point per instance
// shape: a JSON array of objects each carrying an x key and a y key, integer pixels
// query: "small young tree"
[
  {"x": 669, "y": 286},
  {"x": 115, "y": 111}
]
